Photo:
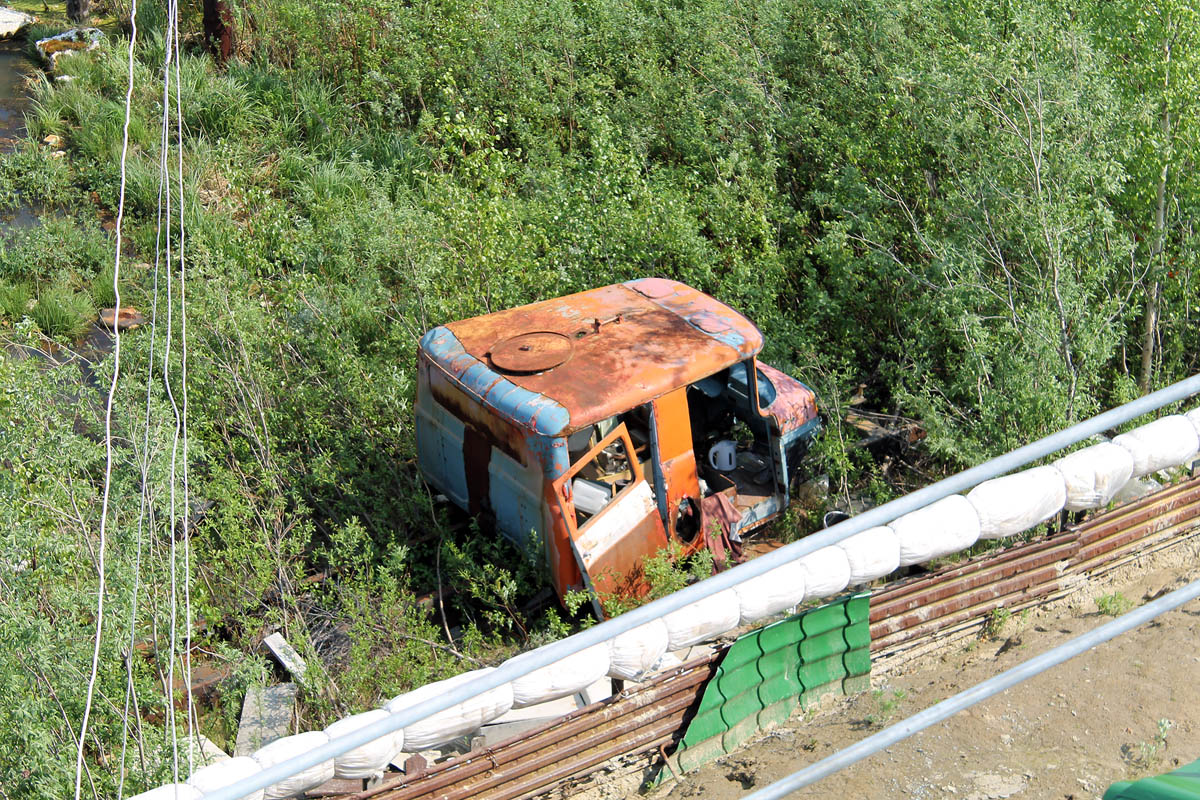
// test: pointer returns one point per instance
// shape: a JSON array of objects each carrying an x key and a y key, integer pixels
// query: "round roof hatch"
[
  {"x": 537, "y": 351},
  {"x": 656, "y": 288}
]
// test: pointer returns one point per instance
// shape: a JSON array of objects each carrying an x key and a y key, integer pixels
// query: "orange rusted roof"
[{"x": 596, "y": 353}]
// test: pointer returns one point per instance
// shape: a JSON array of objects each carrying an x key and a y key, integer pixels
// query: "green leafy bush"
[{"x": 1113, "y": 605}]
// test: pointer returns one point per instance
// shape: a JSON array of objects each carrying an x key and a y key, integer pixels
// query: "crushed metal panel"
[
  {"x": 1182, "y": 784},
  {"x": 615, "y": 567},
  {"x": 601, "y": 535},
  {"x": 767, "y": 673},
  {"x": 794, "y": 405},
  {"x": 611, "y": 546}
]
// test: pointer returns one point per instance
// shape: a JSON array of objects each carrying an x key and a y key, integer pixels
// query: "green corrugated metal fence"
[
  {"x": 1182, "y": 784},
  {"x": 768, "y": 672}
]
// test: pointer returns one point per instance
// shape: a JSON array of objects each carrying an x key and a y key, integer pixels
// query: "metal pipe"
[
  {"x": 556, "y": 651},
  {"x": 981, "y": 691}
]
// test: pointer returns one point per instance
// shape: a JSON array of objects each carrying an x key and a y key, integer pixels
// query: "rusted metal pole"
[{"x": 218, "y": 29}]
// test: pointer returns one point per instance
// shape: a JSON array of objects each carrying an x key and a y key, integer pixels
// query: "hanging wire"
[
  {"x": 163, "y": 257},
  {"x": 108, "y": 437},
  {"x": 144, "y": 506},
  {"x": 168, "y": 57},
  {"x": 192, "y": 725}
]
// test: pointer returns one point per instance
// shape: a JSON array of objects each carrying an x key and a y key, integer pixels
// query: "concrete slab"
[
  {"x": 266, "y": 716},
  {"x": 286, "y": 655},
  {"x": 492, "y": 734},
  {"x": 542, "y": 711},
  {"x": 600, "y": 690}
]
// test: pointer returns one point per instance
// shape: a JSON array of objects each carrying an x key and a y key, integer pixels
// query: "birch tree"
[{"x": 1155, "y": 49}]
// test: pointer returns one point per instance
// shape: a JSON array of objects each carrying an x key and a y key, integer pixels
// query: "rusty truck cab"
[{"x": 602, "y": 425}]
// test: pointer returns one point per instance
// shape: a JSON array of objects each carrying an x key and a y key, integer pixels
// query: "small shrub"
[
  {"x": 1113, "y": 605},
  {"x": 666, "y": 571},
  {"x": 885, "y": 706},
  {"x": 102, "y": 289},
  {"x": 1146, "y": 756},
  {"x": 997, "y": 618}
]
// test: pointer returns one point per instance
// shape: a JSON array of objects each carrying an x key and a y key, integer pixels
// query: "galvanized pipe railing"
[{"x": 639, "y": 616}]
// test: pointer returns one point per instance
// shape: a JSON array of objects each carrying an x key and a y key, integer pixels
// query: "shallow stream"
[{"x": 15, "y": 67}]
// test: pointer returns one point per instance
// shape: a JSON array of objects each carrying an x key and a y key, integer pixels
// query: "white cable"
[
  {"x": 108, "y": 440},
  {"x": 186, "y": 515},
  {"x": 145, "y": 499},
  {"x": 164, "y": 174}
]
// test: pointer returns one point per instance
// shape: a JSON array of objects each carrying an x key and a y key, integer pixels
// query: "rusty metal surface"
[
  {"x": 645, "y": 717},
  {"x": 903, "y": 613},
  {"x": 1028, "y": 574},
  {"x": 627, "y": 346},
  {"x": 536, "y": 351},
  {"x": 795, "y": 404}
]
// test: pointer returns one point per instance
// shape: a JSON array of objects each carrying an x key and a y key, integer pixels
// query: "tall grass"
[
  {"x": 101, "y": 289},
  {"x": 14, "y": 300},
  {"x": 61, "y": 312}
]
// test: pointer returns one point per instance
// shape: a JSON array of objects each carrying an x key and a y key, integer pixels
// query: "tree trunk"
[
  {"x": 1150, "y": 332},
  {"x": 79, "y": 10},
  {"x": 218, "y": 29}
]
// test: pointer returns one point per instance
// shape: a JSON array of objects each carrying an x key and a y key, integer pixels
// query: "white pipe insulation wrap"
[
  {"x": 634, "y": 653},
  {"x": 172, "y": 791},
  {"x": 1166, "y": 442},
  {"x": 572, "y": 674},
  {"x": 1094, "y": 475},
  {"x": 370, "y": 759},
  {"x": 938, "y": 529},
  {"x": 1193, "y": 417},
  {"x": 1014, "y": 503},
  {"x": 871, "y": 554},
  {"x": 458, "y": 720},
  {"x": 826, "y": 572},
  {"x": 772, "y": 593},
  {"x": 288, "y": 747},
  {"x": 705, "y": 619},
  {"x": 226, "y": 773}
]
